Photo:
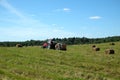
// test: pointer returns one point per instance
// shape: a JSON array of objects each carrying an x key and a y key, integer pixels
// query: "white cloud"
[
  {"x": 63, "y": 10},
  {"x": 95, "y": 17},
  {"x": 66, "y": 9}
]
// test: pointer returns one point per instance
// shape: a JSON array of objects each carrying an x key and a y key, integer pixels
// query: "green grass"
[{"x": 79, "y": 62}]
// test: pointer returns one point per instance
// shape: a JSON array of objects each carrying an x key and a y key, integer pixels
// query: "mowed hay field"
[{"x": 79, "y": 62}]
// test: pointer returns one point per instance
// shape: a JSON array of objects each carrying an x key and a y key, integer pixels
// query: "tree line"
[{"x": 68, "y": 41}]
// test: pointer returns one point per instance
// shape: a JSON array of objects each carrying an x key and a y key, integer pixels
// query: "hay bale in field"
[
  {"x": 64, "y": 47},
  {"x": 109, "y": 51},
  {"x": 60, "y": 46},
  {"x": 96, "y": 49},
  {"x": 93, "y": 46},
  {"x": 19, "y": 45},
  {"x": 112, "y": 43}
]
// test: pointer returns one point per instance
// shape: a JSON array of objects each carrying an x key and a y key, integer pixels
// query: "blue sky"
[{"x": 22, "y": 20}]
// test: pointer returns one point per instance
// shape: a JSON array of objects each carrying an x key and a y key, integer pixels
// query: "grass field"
[{"x": 79, "y": 62}]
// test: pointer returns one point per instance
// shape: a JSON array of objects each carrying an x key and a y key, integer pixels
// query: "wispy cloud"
[
  {"x": 63, "y": 10},
  {"x": 10, "y": 8},
  {"x": 95, "y": 17},
  {"x": 27, "y": 27},
  {"x": 66, "y": 9}
]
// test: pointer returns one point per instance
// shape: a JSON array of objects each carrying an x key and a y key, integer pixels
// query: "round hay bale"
[
  {"x": 60, "y": 46},
  {"x": 93, "y": 46},
  {"x": 112, "y": 43},
  {"x": 19, "y": 45},
  {"x": 109, "y": 51},
  {"x": 96, "y": 49},
  {"x": 64, "y": 47}
]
